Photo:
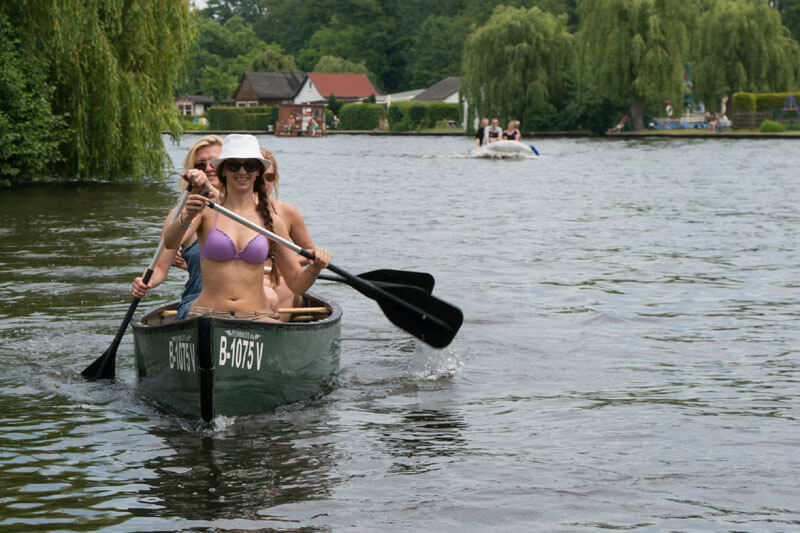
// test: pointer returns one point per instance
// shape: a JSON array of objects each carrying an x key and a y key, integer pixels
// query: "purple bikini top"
[{"x": 220, "y": 247}]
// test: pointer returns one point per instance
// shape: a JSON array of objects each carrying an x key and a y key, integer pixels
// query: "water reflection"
[{"x": 239, "y": 472}]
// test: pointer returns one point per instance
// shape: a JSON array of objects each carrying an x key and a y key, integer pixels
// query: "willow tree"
[
  {"x": 633, "y": 51},
  {"x": 113, "y": 64},
  {"x": 514, "y": 66},
  {"x": 742, "y": 46}
]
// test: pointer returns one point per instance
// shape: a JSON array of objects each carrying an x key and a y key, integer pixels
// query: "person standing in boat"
[
  {"x": 481, "y": 131},
  {"x": 511, "y": 132},
  {"x": 493, "y": 133},
  {"x": 232, "y": 257}
]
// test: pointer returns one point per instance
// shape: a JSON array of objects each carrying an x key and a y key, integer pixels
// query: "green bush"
[
  {"x": 226, "y": 118},
  {"x": 769, "y": 126},
  {"x": 256, "y": 110},
  {"x": 742, "y": 102},
  {"x": 360, "y": 116},
  {"x": 257, "y": 121},
  {"x": 437, "y": 111},
  {"x": 416, "y": 114}
]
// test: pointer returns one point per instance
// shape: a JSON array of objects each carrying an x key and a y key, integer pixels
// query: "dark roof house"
[
  {"x": 442, "y": 91},
  {"x": 268, "y": 88}
]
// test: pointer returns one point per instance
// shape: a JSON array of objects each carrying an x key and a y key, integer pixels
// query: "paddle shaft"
[
  {"x": 364, "y": 287},
  {"x": 104, "y": 366}
]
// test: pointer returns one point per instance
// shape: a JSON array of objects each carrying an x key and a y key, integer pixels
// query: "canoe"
[
  {"x": 205, "y": 367},
  {"x": 504, "y": 150}
]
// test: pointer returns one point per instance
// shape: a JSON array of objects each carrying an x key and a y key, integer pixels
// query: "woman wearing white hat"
[{"x": 232, "y": 255}]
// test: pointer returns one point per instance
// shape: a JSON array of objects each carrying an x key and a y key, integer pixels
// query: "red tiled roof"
[{"x": 342, "y": 85}]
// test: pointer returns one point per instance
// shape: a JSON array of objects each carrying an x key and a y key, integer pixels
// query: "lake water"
[{"x": 628, "y": 361}]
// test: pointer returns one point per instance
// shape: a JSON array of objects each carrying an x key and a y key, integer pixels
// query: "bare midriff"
[{"x": 233, "y": 285}]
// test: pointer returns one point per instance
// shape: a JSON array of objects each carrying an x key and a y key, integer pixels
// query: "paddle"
[
  {"x": 104, "y": 367},
  {"x": 535, "y": 151},
  {"x": 421, "y": 280},
  {"x": 433, "y": 321}
]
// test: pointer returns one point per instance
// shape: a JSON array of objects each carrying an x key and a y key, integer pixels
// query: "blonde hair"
[
  {"x": 268, "y": 155},
  {"x": 202, "y": 142}
]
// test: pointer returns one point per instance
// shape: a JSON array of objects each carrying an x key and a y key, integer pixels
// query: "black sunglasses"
[
  {"x": 250, "y": 165},
  {"x": 201, "y": 165}
]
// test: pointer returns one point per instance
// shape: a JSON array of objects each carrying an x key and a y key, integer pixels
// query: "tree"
[
  {"x": 272, "y": 60},
  {"x": 113, "y": 66},
  {"x": 632, "y": 51},
  {"x": 437, "y": 49},
  {"x": 744, "y": 47},
  {"x": 29, "y": 132},
  {"x": 334, "y": 104},
  {"x": 514, "y": 66},
  {"x": 339, "y": 65}
]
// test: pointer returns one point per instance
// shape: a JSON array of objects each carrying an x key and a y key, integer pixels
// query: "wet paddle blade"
[
  {"x": 436, "y": 325},
  {"x": 423, "y": 280},
  {"x": 104, "y": 367}
]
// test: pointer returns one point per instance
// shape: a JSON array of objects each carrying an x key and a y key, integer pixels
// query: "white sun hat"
[{"x": 239, "y": 146}]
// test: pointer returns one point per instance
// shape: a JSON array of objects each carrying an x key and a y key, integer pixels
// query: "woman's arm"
[{"x": 299, "y": 280}]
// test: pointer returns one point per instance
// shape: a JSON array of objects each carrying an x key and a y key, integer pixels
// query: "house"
[
  {"x": 405, "y": 96},
  {"x": 193, "y": 105},
  {"x": 318, "y": 87},
  {"x": 267, "y": 88},
  {"x": 443, "y": 91}
]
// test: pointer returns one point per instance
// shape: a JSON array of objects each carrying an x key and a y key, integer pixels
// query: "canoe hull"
[
  {"x": 206, "y": 367},
  {"x": 504, "y": 150}
]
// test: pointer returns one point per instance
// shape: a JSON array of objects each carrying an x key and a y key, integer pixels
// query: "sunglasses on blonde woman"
[{"x": 201, "y": 165}]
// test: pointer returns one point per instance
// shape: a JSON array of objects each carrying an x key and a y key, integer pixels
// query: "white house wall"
[{"x": 308, "y": 93}]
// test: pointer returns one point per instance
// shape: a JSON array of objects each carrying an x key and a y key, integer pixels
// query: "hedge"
[
  {"x": 760, "y": 101},
  {"x": 241, "y": 118},
  {"x": 226, "y": 118},
  {"x": 407, "y": 116},
  {"x": 360, "y": 116}
]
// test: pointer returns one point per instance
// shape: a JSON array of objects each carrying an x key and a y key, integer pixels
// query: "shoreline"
[{"x": 645, "y": 134}]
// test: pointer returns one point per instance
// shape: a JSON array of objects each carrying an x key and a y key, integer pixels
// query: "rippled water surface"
[{"x": 629, "y": 358}]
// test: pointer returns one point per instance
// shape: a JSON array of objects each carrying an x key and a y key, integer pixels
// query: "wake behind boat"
[
  {"x": 205, "y": 367},
  {"x": 504, "y": 150}
]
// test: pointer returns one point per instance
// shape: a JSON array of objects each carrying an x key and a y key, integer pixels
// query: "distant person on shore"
[
  {"x": 481, "y": 131},
  {"x": 511, "y": 132},
  {"x": 493, "y": 133}
]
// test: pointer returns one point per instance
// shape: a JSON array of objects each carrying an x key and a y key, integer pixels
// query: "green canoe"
[{"x": 206, "y": 366}]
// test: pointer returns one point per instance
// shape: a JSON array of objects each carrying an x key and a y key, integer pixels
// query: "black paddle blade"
[
  {"x": 104, "y": 367},
  {"x": 434, "y": 321},
  {"x": 423, "y": 280}
]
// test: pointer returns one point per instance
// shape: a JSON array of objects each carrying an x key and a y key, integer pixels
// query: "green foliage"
[
  {"x": 632, "y": 51},
  {"x": 438, "y": 111},
  {"x": 329, "y": 63},
  {"x": 257, "y": 121},
  {"x": 334, "y": 104},
  {"x": 409, "y": 116},
  {"x": 241, "y": 118},
  {"x": 769, "y": 126},
  {"x": 416, "y": 114},
  {"x": 29, "y": 132},
  {"x": 272, "y": 60},
  {"x": 742, "y": 101},
  {"x": 437, "y": 49},
  {"x": 226, "y": 118},
  {"x": 743, "y": 47},
  {"x": 514, "y": 66},
  {"x": 114, "y": 65},
  {"x": 360, "y": 116}
]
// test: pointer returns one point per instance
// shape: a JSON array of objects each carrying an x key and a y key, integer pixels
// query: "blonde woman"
[{"x": 198, "y": 158}]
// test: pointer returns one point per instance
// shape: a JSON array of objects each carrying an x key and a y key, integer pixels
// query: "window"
[{"x": 185, "y": 109}]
